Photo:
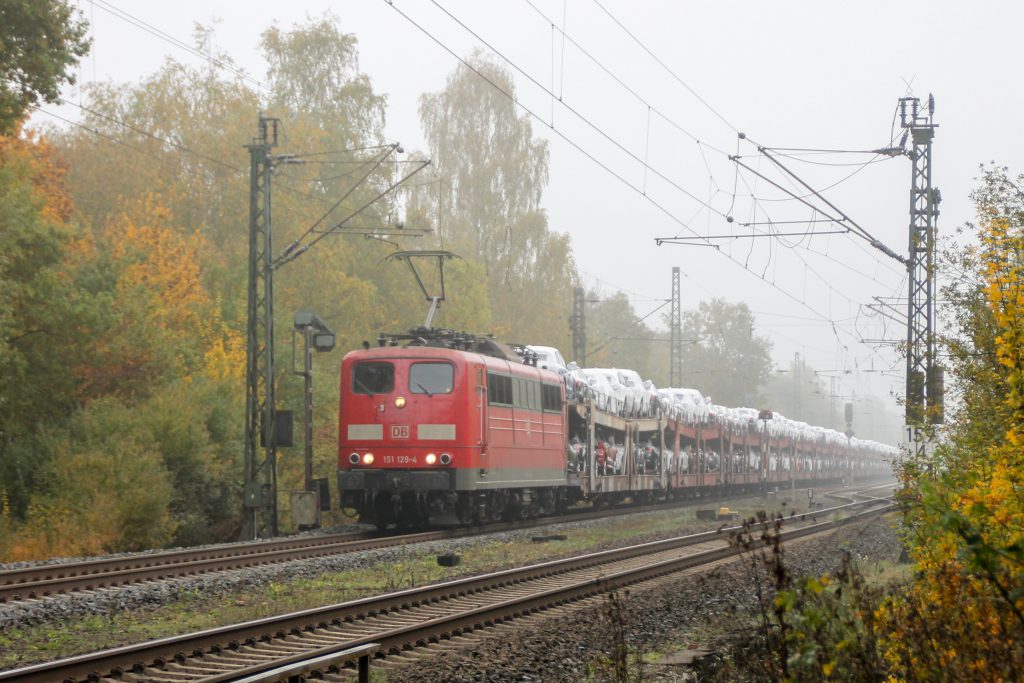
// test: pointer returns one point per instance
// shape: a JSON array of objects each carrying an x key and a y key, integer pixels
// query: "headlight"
[
  {"x": 353, "y": 458},
  {"x": 446, "y": 458},
  {"x": 400, "y": 402},
  {"x": 368, "y": 458},
  {"x": 430, "y": 459}
]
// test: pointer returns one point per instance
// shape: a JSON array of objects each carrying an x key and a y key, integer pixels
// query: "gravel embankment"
[
  {"x": 569, "y": 647},
  {"x": 351, "y": 528},
  {"x": 214, "y": 585}
]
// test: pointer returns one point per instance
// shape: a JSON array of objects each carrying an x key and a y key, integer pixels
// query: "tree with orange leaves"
[
  {"x": 159, "y": 320},
  {"x": 963, "y": 617},
  {"x": 150, "y": 381},
  {"x": 38, "y": 322}
]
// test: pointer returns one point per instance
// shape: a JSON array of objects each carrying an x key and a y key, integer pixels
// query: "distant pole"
[
  {"x": 307, "y": 377},
  {"x": 316, "y": 336},
  {"x": 675, "y": 367},
  {"x": 797, "y": 403},
  {"x": 832, "y": 401},
  {"x": 578, "y": 325}
]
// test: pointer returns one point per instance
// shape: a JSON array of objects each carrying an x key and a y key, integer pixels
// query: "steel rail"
[
  {"x": 41, "y": 581},
  {"x": 240, "y": 641},
  {"x": 103, "y": 564},
  {"x": 437, "y": 630}
]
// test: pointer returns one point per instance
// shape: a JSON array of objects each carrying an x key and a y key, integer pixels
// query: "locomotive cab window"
[
  {"x": 431, "y": 378},
  {"x": 373, "y": 378}
]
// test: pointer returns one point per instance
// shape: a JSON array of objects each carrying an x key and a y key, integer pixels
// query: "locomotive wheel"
[
  {"x": 514, "y": 510},
  {"x": 560, "y": 503},
  {"x": 412, "y": 513},
  {"x": 384, "y": 512},
  {"x": 464, "y": 510}
]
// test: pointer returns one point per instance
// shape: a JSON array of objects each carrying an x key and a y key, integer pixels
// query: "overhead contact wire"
[
  {"x": 585, "y": 152},
  {"x": 600, "y": 131}
]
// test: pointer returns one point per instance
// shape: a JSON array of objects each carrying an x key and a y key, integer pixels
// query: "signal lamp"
[
  {"x": 446, "y": 458},
  {"x": 368, "y": 458},
  {"x": 400, "y": 402},
  {"x": 431, "y": 458},
  {"x": 353, "y": 458}
]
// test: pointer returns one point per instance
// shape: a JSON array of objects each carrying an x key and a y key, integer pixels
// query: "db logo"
[{"x": 399, "y": 431}]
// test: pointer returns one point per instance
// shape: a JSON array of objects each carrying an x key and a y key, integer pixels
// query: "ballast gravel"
[
  {"x": 217, "y": 584},
  {"x": 561, "y": 656},
  {"x": 53, "y": 561},
  {"x": 579, "y": 645}
]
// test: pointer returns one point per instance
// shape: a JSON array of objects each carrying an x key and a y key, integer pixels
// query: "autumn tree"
[
  {"x": 965, "y": 507},
  {"x": 151, "y": 450},
  {"x": 619, "y": 336},
  {"x": 40, "y": 44},
  {"x": 723, "y": 356},
  {"x": 162, "y": 347},
  {"x": 313, "y": 69},
  {"x": 492, "y": 174},
  {"x": 334, "y": 114},
  {"x": 40, "y": 322},
  {"x": 184, "y": 129},
  {"x": 107, "y": 492}
]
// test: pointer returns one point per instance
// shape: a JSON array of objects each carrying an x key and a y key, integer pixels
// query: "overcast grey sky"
[{"x": 823, "y": 75}]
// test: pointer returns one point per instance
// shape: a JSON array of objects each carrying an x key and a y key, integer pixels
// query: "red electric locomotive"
[{"x": 449, "y": 428}]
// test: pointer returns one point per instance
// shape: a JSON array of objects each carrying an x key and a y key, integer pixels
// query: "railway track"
[
  {"x": 42, "y": 581},
  {"x": 864, "y": 493},
  {"x": 402, "y": 621}
]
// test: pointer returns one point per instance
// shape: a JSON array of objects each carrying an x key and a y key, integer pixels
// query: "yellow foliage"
[
  {"x": 47, "y": 172},
  {"x": 967, "y": 524},
  {"x": 161, "y": 324},
  {"x": 110, "y": 492},
  {"x": 225, "y": 359},
  {"x": 164, "y": 264}
]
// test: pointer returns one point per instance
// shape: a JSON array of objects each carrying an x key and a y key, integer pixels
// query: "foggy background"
[{"x": 806, "y": 75}]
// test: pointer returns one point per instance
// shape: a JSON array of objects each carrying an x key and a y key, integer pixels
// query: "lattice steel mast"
[
  {"x": 267, "y": 428},
  {"x": 675, "y": 372},
  {"x": 260, "y": 470},
  {"x": 924, "y": 396}
]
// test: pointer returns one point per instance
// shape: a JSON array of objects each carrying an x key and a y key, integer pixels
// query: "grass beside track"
[
  {"x": 881, "y": 573},
  {"x": 196, "y": 611}
]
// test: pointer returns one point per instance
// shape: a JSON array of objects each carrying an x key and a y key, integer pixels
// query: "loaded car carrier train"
[{"x": 440, "y": 427}]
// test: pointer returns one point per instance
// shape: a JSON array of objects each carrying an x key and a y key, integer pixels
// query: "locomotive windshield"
[
  {"x": 431, "y": 378},
  {"x": 373, "y": 378}
]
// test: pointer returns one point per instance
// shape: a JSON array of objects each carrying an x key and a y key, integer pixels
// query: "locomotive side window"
[
  {"x": 373, "y": 378},
  {"x": 551, "y": 398},
  {"x": 524, "y": 392},
  {"x": 518, "y": 394},
  {"x": 431, "y": 378},
  {"x": 499, "y": 389}
]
